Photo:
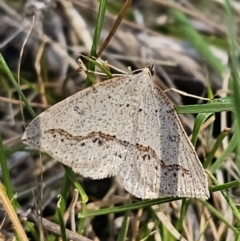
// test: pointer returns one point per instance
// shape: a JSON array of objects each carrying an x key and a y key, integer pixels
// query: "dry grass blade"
[
  {"x": 12, "y": 214},
  {"x": 115, "y": 27},
  {"x": 162, "y": 217}
]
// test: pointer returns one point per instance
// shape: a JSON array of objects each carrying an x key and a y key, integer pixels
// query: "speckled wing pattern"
[{"x": 123, "y": 127}]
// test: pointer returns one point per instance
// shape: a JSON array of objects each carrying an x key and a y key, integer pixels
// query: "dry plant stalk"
[{"x": 12, "y": 214}]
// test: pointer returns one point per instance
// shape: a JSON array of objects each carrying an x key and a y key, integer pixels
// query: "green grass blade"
[
  {"x": 34, "y": 233},
  {"x": 76, "y": 184},
  {"x": 217, "y": 105},
  {"x": 83, "y": 195},
  {"x": 231, "y": 204},
  {"x": 217, "y": 144},
  {"x": 217, "y": 214},
  {"x": 123, "y": 231},
  {"x": 127, "y": 207},
  {"x": 6, "y": 176},
  {"x": 60, "y": 219},
  {"x": 234, "y": 57},
  {"x": 96, "y": 37},
  {"x": 16, "y": 86},
  {"x": 225, "y": 154},
  {"x": 64, "y": 193},
  {"x": 225, "y": 186},
  {"x": 189, "y": 33},
  {"x": 183, "y": 211},
  {"x": 200, "y": 119},
  {"x": 99, "y": 65},
  {"x": 98, "y": 29}
]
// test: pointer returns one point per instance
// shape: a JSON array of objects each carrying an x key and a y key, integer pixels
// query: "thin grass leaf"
[
  {"x": 234, "y": 55},
  {"x": 127, "y": 207},
  {"x": 227, "y": 198},
  {"x": 225, "y": 186},
  {"x": 203, "y": 231},
  {"x": 217, "y": 144},
  {"x": 200, "y": 119},
  {"x": 123, "y": 231},
  {"x": 165, "y": 235},
  {"x": 99, "y": 65},
  {"x": 64, "y": 193},
  {"x": 34, "y": 233},
  {"x": 183, "y": 211},
  {"x": 6, "y": 176},
  {"x": 217, "y": 214},
  {"x": 170, "y": 229},
  {"x": 225, "y": 154},
  {"x": 96, "y": 37},
  {"x": 117, "y": 22},
  {"x": 217, "y": 105},
  {"x": 98, "y": 29},
  {"x": 61, "y": 222},
  {"x": 83, "y": 195},
  {"x": 16, "y": 86},
  {"x": 189, "y": 33},
  {"x": 76, "y": 184}
]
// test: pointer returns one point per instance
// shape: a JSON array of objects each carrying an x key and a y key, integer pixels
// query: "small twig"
[
  {"x": 136, "y": 224},
  {"x": 17, "y": 102},
  {"x": 20, "y": 61},
  {"x": 186, "y": 94},
  {"x": 54, "y": 228},
  {"x": 38, "y": 70}
]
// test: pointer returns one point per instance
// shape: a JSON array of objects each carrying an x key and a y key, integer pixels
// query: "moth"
[{"x": 124, "y": 127}]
